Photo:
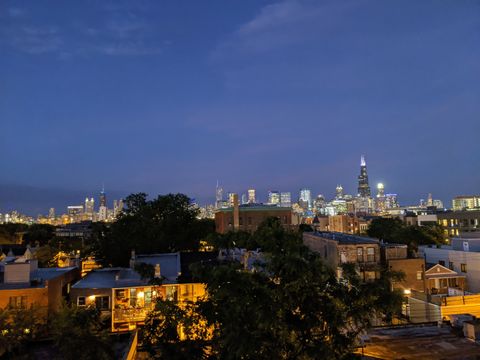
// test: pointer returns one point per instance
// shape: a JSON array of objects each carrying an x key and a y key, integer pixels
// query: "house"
[
  {"x": 127, "y": 297},
  {"x": 339, "y": 248},
  {"x": 462, "y": 256},
  {"x": 24, "y": 285}
]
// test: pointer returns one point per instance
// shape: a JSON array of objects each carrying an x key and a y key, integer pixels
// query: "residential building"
[
  {"x": 466, "y": 202},
  {"x": 23, "y": 285},
  {"x": 339, "y": 248},
  {"x": 122, "y": 293},
  {"x": 463, "y": 256},
  {"x": 456, "y": 223}
]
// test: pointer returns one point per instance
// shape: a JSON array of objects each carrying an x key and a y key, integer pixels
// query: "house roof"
[
  {"x": 110, "y": 278},
  {"x": 170, "y": 265}
]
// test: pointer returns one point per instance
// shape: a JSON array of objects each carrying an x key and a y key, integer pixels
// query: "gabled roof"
[{"x": 440, "y": 271}]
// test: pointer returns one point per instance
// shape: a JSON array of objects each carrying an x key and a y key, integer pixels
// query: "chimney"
[
  {"x": 132, "y": 259},
  {"x": 236, "y": 212},
  {"x": 158, "y": 273}
]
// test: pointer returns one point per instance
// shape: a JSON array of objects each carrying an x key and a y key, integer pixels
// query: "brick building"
[{"x": 248, "y": 217}]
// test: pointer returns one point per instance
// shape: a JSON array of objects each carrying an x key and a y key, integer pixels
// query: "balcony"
[{"x": 131, "y": 314}]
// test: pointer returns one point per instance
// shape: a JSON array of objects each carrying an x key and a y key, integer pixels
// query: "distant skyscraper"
[
  {"x": 103, "y": 197},
  {"x": 380, "y": 200},
  {"x": 231, "y": 198},
  {"x": 102, "y": 209},
  {"x": 251, "y": 196},
  {"x": 429, "y": 200},
  {"x": 391, "y": 201},
  {"x": 117, "y": 207},
  {"x": 363, "y": 187},
  {"x": 51, "y": 213},
  {"x": 218, "y": 196},
  {"x": 285, "y": 199},
  {"x": 319, "y": 202},
  {"x": 244, "y": 199},
  {"x": 89, "y": 206},
  {"x": 274, "y": 197},
  {"x": 339, "y": 192},
  {"x": 306, "y": 197}
]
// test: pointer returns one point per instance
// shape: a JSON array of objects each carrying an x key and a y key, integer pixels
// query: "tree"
[
  {"x": 18, "y": 328},
  {"x": 166, "y": 224},
  {"x": 395, "y": 231},
  {"x": 385, "y": 229},
  {"x": 293, "y": 307},
  {"x": 39, "y": 233},
  {"x": 78, "y": 334},
  {"x": 174, "y": 331}
]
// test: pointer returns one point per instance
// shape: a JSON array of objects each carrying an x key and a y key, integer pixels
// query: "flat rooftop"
[
  {"x": 256, "y": 207},
  {"x": 345, "y": 239},
  {"x": 418, "y": 343}
]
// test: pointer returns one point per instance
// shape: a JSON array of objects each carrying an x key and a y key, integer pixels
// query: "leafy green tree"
[
  {"x": 175, "y": 332},
  {"x": 385, "y": 229},
  {"x": 17, "y": 329},
  {"x": 167, "y": 223},
  {"x": 39, "y": 233},
  {"x": 79, "y": 334},
  {"x": 395, "y": 231}
]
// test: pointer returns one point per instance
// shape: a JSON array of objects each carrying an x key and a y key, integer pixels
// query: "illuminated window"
[
  {"x": 463, "y": 268},
  {"x": 359, "y": 254},
  {"x": 18, "y": 302},
  {"x": 81, "y": 301},
  {"x": 419, "y": 275}
]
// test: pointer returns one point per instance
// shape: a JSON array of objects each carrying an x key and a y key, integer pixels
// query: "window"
[
  {"x": 450, "y": 265},
  {"x": 133, "y": 297},
  {"x": 359, "y": 254},
  {"x": 441, "y": 262},
  {"x": 370, "y": 254},
  {"x": 18, "y": 302},
  {"x": 81, "y": 301},
  {"x": 463, "y": 268},
  {"x": 102, "y": 302},
  {"x": 419, "y": 275}
]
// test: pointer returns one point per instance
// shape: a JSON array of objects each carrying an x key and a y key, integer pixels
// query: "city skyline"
[
  {"x": 278, "y": 95},
  {"x": 261, "y": 196}
]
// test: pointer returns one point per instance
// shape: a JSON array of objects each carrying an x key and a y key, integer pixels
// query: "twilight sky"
[{"x": 169, "y": 96}]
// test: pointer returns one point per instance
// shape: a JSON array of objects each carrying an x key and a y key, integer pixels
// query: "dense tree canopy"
[
  {"x": 293, "y": 308},
  {"x": 79, "y": 334},
  {"x": 167, "y": 223},
  {"x": 396, "y": 231}
]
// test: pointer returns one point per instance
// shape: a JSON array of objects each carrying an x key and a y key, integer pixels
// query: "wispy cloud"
[
  {"x": 122, "y": 33},
  {"x": 15, "y": 12},
  {"x": 130, "y": 48},
  {"x": 281, "y": 24},
  {"x": 37, "y": 40}
]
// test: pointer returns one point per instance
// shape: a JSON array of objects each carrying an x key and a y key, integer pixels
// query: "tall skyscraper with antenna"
[
  {"x": 218, "y": 196},
  {"x": 363, "y": 186}
]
